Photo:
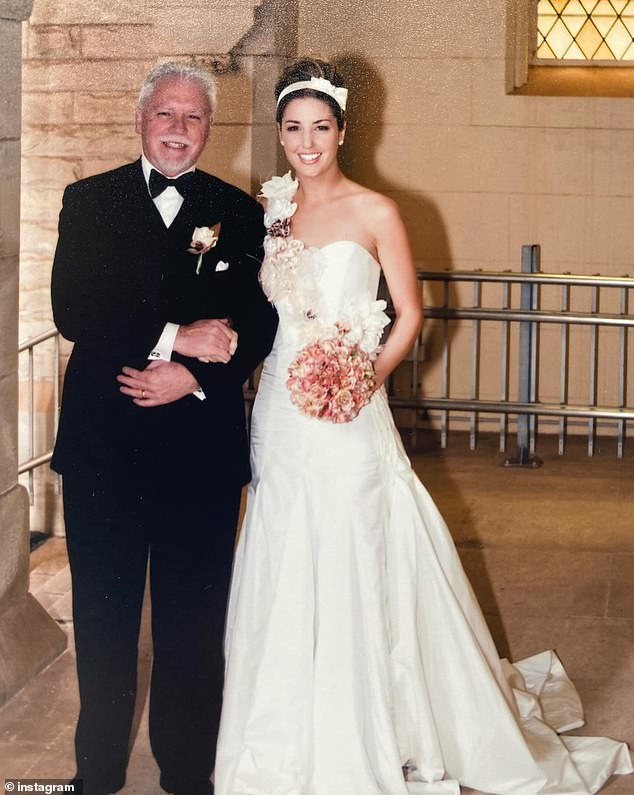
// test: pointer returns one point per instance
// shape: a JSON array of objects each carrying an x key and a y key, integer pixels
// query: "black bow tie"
[{"x": 158, "y": 183}]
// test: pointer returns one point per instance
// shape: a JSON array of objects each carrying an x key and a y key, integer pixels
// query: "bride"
[{"x": 358, "y": 661}]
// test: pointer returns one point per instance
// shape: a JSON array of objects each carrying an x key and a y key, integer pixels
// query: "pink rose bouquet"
[{"x": 331, "y": 380}]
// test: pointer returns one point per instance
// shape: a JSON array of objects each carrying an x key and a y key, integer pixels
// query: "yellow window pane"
[
  {"x": 603, "y": 53},
  {"x": 545, "y": 23},
  {"x": 618, "y": 39},
  {"x": 559, "y": 39},
  {"x": 574, "y": 53},
  {"x": 585, "y": 29},
  {"x": 604, "y": 8},
  {"x": 575, "y": 9},
  {"x": 589, "y": 39},
  {"x": 574, "y": 24},
  {"x": 545, "y": 52},
  {"x": 604, "y": 24}
]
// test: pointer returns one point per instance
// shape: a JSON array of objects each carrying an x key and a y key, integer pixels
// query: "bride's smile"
[{"x": 309, "y": 157}]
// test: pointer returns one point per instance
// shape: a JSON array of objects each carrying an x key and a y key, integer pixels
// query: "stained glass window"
[{"x": 585, "y": 30}]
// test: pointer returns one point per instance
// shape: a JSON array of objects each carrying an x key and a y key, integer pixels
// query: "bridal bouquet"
[{"x": 331, "y": 379}]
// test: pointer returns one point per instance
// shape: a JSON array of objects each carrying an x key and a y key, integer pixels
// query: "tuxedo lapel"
[
  {"x": 135, "y": 224},
  {"x": 200, "y": 208},
  {"x": 157, "y": 257}
]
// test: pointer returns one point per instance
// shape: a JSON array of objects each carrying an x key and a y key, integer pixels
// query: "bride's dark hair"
[{"x": 304, "y": 69}]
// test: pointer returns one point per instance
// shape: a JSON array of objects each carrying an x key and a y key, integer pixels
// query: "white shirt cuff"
[{"x": 165, "y": 347}]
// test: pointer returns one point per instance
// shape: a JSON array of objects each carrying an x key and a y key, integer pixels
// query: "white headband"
[{"x": 340, "y": 95}]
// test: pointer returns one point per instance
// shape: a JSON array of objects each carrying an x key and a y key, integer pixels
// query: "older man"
[{"x": 152, "y": 441}]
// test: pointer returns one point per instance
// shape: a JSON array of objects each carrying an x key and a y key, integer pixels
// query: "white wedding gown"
[{"x": 358, "y": 661}]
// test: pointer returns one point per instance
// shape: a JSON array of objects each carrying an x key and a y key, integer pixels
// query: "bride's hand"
[
  {"x": 211, "y": 340},
  {"x": 379, "y": 377}
]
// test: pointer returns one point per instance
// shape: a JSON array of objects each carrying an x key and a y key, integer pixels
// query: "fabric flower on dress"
[
  {"x": 279, "y": 192},
  {"x": 284, "y": 187},
  {"x": 365, "y": 323},
  {"x": 279, "y": 212},
  {"x": 289, "y": 277}
]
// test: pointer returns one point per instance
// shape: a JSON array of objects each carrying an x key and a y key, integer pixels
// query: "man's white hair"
[{"x": 181, "y": 71}]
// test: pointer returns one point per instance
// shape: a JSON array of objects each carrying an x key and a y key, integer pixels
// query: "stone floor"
[{"x": 550, "y": 553}]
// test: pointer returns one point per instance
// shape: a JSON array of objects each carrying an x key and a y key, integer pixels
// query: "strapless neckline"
[{"x": 346, "y": 242}]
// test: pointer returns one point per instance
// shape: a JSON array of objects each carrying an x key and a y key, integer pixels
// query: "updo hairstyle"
[{"x": 304, "y": 70}]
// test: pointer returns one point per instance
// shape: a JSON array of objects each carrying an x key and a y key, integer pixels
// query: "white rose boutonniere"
[{"x": 204, "y": 238}]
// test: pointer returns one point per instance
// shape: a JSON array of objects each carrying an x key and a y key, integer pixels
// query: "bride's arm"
[{"x": 397, "y": 262}]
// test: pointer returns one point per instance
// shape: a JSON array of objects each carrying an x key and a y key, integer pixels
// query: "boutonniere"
[{"x": 204, "y": 238}]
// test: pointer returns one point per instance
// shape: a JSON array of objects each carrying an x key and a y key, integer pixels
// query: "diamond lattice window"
[{"x": 585, "y": 30}]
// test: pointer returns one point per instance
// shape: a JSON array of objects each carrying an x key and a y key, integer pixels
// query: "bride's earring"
[
  {"x": 341, "y": 142},
  {"x": 281, "y": 143}
]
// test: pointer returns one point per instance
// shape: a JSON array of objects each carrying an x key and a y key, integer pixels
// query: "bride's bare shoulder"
[{"x": 375, "y": 207}]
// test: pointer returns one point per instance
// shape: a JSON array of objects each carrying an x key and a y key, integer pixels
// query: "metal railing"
[
  {"x": 34, "y": 460},
  {"x": 530, "y": 318},
  {"x": 525, "y": 406}
]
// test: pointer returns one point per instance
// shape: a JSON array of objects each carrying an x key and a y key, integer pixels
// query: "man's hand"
[
  {"x": 207, "y": 340},
  {"x": 161, "y": 382}
]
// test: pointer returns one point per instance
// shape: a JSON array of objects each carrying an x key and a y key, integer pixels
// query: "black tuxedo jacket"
[{"x": 118, "y": 276}]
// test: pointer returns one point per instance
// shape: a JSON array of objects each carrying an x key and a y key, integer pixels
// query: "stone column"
[{"x": 29, "y": 638}]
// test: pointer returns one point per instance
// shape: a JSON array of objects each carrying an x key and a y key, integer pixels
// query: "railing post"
[{"x": 527, "y": 364}]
